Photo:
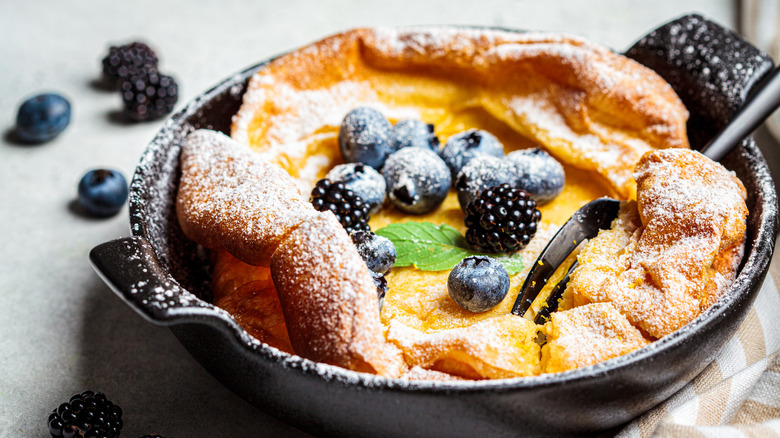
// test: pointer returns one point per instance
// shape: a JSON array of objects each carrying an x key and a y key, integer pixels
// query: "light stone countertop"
[{"x": 61, "y": 329}]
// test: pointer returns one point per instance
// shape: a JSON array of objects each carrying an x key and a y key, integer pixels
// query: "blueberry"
[
  {"x": 463, "y": 147},
  {"x": 102, "y": 192},
  {"x": 42, "y": 117},
  {"x": 363, "y": 180},
  {"x": 365, "y": 137},
  {"x": 539, "y": 174},
  {"x": 417, "y": 180},
  {"x": 378, "y": 252},
  {"x": 414, "y": 133},
  {"x": 478, "y": 283},
  {"x": 482, "y": 172},
  {"x": 381, "y": 287}
]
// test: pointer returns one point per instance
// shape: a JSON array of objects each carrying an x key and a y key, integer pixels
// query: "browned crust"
[
  {"x": 329, "y": 300},
  {"x": 666, "y": 261},
  {"x": 229, "y": 199},
  {"x": 588, "y": 106}
]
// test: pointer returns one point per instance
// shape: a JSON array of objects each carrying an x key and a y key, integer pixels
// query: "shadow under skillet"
[{"x": 145, "y": 370}]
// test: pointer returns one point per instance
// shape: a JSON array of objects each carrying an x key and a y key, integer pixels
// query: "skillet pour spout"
[{"x": 165, "y": 278}]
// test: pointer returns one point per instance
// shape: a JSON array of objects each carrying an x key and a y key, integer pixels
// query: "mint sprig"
[{"x": 432, "y": 247}]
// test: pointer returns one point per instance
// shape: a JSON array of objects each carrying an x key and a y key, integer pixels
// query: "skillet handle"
[
  {"x": 132, "y": 270},
  {"x": 711, "y": 68}
]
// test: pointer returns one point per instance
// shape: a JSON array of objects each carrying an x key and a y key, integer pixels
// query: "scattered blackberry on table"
[
  {"x": 348, "y": 207},
  {"x": 478, "y": 283},
  {"x": 417, "y": 180},
  {"x": 363, "y": 180},
  {"x": 102, "y": 192},
  {"x": 538, "y": 173},
  {"x": 482, "y": 172},
  {"x": 42, "y": 117},
  {"x": 365, "y": 137},
  {"x": 126, "y": 61},
  {"x": 88, "y": 414},
  {"x": 414, "y": 133},
  {"x": 149, "y": 95},
  {"x": 378, "y": 252},
  {"x": 502, "y": 219},
  {"x": 463, "y": 147}
]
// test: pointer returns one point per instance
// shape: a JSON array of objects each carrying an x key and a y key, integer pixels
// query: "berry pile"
[
  {"x": 502, "y": 219},
  {"x": 147, "y": 94},
  {"x": 405, "y": 165}
]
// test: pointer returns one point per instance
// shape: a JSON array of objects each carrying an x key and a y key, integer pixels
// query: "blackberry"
[
  {"x": 348, "y": 207},
  {"x": 364, "y": 180},
  {"x": 124, "y": 62},
  {"x": 501, "y": 219},
  {"x": 88, "y": 414},
  {"x": 149, "y": 95}
]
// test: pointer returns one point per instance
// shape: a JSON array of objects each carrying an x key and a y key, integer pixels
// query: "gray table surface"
[{"x": 61, "y": 329}]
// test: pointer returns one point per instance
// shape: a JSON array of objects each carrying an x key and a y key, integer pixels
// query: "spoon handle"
[{"x": 752, "y": 114}]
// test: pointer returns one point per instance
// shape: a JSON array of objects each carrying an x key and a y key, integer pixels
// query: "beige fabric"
[{"x": 738, "y": 395}]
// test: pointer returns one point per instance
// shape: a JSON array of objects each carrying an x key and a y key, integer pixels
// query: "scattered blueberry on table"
[
  {"x": 102, "y": 192},
  {"x": 42, "y": 117}
]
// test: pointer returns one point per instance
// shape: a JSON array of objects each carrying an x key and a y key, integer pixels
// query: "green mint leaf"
[{"x": 431, "y": 247}]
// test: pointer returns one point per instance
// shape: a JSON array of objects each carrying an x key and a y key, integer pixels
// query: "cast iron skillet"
[{"x": 164, "y": 277}]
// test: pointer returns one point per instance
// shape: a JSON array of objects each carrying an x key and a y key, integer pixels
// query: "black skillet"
[{"x": 164, "y": 277}]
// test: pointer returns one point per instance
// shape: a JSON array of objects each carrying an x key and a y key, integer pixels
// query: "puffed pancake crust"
[
  {"x": 587, "y": 106},
  {"x": 292, "y": 276},
  {"x": 231, "y": 199},
  {"x": 670, "y": 255}
]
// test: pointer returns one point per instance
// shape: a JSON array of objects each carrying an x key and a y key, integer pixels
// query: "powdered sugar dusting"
[
  {"x": 329, "y": 299},
  {"x": 587, "y": 335},
  {"x": 229, "y": 198},
  {"x": 664, "y": 271}
]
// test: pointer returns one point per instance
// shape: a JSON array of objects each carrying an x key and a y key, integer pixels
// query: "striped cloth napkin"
[{"x": 738, "y": 395}]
